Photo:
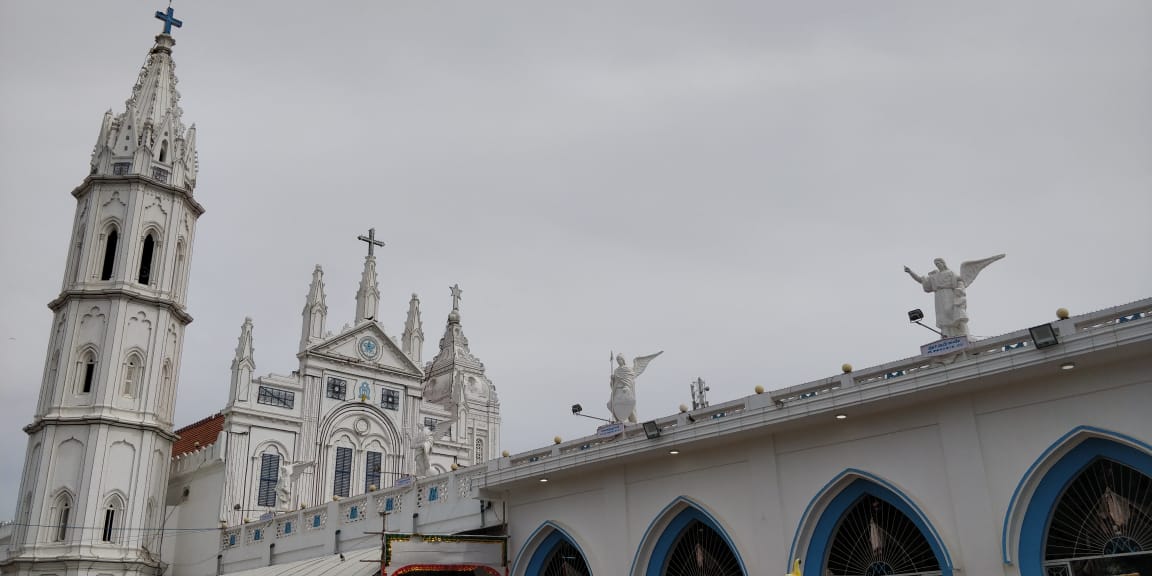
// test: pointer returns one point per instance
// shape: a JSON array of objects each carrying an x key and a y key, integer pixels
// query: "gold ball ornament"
[
  {"x": 557, "y": 440},
  {"x": 1062, "y": 313},
  {"x": 505, "y": 453},
  {"x": 759, "y": 389},
  {"x": 846, "y": 367},
  {"x": 683, "y": 408},
  {"x": 455, "y": 466}
]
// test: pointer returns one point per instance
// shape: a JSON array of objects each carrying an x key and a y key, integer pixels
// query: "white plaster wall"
[{"x": 958, "y": 458}]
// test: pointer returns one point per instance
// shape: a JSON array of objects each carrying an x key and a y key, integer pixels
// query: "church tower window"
[
  {"x": 109, "y": 255},
  {"x": 269, "y": 476},
  {"x": 342, "y": 478},
  {"x": 479, "y": 452},
  {"x": 164, "y": 151},
  {"x": 87, "y": 371},
  {"x": 63, "y": 512},
  {"x": 133, "y": 368},
  {"x": 372, "y": 471},
  {"x": 145, "y": 274},
  {"x": 108, "y": 534}
]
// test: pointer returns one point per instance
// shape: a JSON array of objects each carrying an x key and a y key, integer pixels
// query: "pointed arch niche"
[
  {"x": 862, "y": 525},
  {"x": 554, "y": 553},
  {"x": 686, "y": 539},
  {"x": 1083, "y": 508}
]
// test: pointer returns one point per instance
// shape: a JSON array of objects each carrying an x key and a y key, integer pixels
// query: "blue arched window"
[
  {"x": 869, "y": 530},
  {"x": 557, "y": 555},
  {"x": 693, "y": 543},
  {"x": 1091, "y": 514}
]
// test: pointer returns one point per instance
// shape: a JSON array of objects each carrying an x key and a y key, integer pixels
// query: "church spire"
[
  {"x": 243, "y": 364},
  {"x": 315, "y": 311},
  {"x": 454, "y": 350},
  {"x": 413, "y": 338},
  {"x": 149, "y": 138},
  {"x": 368, "y": 296}
]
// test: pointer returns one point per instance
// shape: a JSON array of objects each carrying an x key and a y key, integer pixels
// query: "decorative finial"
[
  {"x": 1062, "y": 313},
  {"x": 169, "y": 20}
]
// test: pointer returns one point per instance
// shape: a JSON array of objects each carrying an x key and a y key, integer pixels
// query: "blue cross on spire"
[{"x": 169, "y": 20}]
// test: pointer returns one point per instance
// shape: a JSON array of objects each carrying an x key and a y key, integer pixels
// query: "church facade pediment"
[{"x": 366, "y": 344}]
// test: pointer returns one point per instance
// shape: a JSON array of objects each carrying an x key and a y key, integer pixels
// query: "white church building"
[{"x": 1025, "y": 454}]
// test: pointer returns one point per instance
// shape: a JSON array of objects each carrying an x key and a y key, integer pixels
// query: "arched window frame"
[
  {"x": 163, "y": 155},
  {"x": 133, "y": 374},
  {"x": 1036, "y": 497},
  {"x": 87, "y": 365},
  {"x": 61, "y": 515},
  {"x": 112, "y": 519},
  {"x": 178, "y": 271},
  {"x": 149, "y": 250},
  {"x": 109, "y": 250}
]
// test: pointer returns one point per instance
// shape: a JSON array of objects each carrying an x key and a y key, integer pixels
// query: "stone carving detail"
[
  {"x": 287, "y": 478},
  {"x": 421, "y": 444},
  {"x": 622, "y": 403},
  {"x": 951, "y": 298}
]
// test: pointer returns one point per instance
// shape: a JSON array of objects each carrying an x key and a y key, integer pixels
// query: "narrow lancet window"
[
  {"x": 164, "y": 151},
  {"x": 146, "y": 260},
  {"x": 87, "y": 372},
  {"x": 109, "y": 255},
  {"x": 65, "y": 511},
  {"x": 109, "y": 524}
]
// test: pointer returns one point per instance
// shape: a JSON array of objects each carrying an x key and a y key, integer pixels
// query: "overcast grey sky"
[{"x": 738, "y": 184}]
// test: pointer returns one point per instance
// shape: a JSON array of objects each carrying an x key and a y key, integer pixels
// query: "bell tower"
[{"x": 92, "y": 494}]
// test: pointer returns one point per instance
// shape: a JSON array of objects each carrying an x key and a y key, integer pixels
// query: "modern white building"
[{"x": 1026, "y": 454}]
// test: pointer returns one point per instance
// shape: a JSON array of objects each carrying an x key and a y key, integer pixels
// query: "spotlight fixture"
[
  {"x": 673, "y": 451},
  {"x": 1067, "y": 365},
  {"x": 841, "y": 416},
  {"x": 916, "y": 315},
  {"x": 651, "y": 430},
  {"x": 543, "y": 480},
  {"x": 1043, "y": 336}
]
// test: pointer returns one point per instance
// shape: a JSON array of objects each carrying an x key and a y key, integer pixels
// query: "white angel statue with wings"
[
  {"x": 951, "y": 300},
  {"x": 622, "y": 403}
]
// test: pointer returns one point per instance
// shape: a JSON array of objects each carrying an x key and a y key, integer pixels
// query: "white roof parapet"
[{"x": 1129, "y": 323}]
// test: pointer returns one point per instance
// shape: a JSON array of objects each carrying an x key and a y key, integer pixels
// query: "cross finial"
[
  {"x": 169, "y": 20},
  {"x": 456, "y": 292},
  {"x": 372, "y": 241}
]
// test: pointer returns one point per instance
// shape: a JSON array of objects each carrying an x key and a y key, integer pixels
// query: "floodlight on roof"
[
  {"x": 1043, "y": 336},
  {"x": 651, "y": 430}
]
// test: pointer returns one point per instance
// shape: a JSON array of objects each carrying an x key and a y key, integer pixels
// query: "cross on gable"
[
  {"x": 371, "y": 240},
  {"x": 169, "y": 20}
]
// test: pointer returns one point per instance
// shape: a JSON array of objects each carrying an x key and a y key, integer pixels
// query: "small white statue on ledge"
[
  {"x": 622, "y": 403},
  {"x": 951, "y": 300}
]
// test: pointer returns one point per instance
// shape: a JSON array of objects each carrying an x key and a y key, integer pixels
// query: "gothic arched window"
[
  {"x": 63, "y": 515},
  {"x": 113, "y": 513},
  {"x": 109, "y": 265},
  {"x": 163, "y": 151},
  {"x": 145, "y": 275},
  {"x": 565, "y": 560},
  {"x": 133, "y": 370},
  {"x": 86, "y": 371},
  {"x": 1102, "y": 523},
  {"x": 875, "y": 538},
  {"x": 178, "y": 270}
]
